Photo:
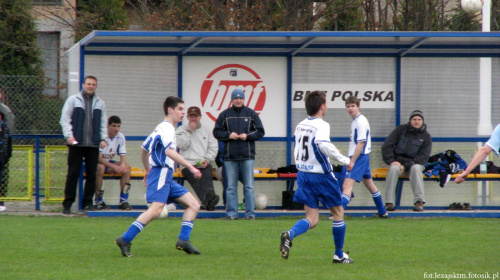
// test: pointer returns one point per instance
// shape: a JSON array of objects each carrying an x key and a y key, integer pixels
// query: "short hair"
[
  {"x": 171, "y": 102},
  {"x": 114, "y": 119},
  {"x": 352, "y": 100},
  {"x": 314, "y": 100},
  {"x": 89, "y": 77}
]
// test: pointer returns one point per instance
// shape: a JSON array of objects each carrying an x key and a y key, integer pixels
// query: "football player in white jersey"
[
  {"x": 315, "y": 179},
  {"x": 358, "y": 168},
  {"x": 158, "y": 156},
  {"x": 106, "y": 165}
]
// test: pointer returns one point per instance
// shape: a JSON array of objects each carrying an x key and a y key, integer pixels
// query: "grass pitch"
[{"x": 83, "y": 248}]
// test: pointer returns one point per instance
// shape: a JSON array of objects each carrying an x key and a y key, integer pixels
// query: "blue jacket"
[
  {"x": 73, "y": 116},
  {"x": 239, "y": 120}
]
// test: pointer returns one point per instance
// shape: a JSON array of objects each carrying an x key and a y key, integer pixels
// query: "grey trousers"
[{"x": 416, "y": 181}]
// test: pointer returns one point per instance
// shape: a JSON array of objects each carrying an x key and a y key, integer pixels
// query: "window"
[{"x": 49, "y": 46}]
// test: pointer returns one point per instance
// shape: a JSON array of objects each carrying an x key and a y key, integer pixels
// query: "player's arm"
[
  {"x": 171, "y": 153},
  {"x": 357, "y": 152},
  {"x": 123, "y": 164},
  {"x": 332, "y": 152},
  {"x": 480, "y": 155},
  {"x": 145, "y": 163}
]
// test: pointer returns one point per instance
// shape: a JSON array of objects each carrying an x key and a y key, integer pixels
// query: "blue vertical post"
[
  {"x": 398, "y": 90},
  {"x": 289, "y": 110},
  {"x": 179, "y": 76},
  {"x": 37, "y": 172}
]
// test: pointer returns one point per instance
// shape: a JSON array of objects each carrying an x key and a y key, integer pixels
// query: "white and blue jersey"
[
  {"x": 115, "y": 145},
  {"x": 161, "y": 187},
  {"x": 494, "y": 142},
  {"x": 157, "y": 143},
  {"x": 360, "y": 132},
  {"x": 309, "y": 133}
]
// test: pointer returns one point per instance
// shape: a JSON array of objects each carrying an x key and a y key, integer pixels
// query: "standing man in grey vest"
[{"x": 83, "y": 121}]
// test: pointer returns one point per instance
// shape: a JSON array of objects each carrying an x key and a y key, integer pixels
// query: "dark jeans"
[
  {"x": 75, "y": 159},
  {"x": 4, "y": 179},
  {"x": 204, "y": 187}
]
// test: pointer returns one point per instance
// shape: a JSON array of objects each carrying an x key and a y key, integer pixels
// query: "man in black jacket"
[
  {"x": 239, "y": 127},
  {"x": 407, "y": 149}
]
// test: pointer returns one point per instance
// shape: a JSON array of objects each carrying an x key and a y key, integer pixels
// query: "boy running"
[
  {"x": 158, "y": 157},
  {"x": 315, "y": 179}
]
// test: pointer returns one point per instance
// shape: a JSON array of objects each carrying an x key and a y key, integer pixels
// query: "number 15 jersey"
[{"x": 309, "y": 135}]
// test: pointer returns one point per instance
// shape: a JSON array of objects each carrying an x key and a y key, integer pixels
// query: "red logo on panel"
[{"x": 219, "y": 84}]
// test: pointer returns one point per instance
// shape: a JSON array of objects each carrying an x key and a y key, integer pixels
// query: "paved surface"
[{"x": 27, "y": 208}]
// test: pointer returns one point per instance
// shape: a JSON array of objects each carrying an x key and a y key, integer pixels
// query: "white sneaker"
[{"x": 2, "y": 208}]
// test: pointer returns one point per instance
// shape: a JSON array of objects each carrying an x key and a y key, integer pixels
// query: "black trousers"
[
  {"x": 204, "y": 187},
  {"x": 75, "y": 159},
  {"x": 4, "y": 179}
]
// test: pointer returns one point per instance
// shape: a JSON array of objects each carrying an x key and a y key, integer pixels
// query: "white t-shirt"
[
  {"x": 157, "y": 143},
  {"x": 313, "y": 147},
  {"x": 494, "y": 142},
  {"x": 360, "y": 132},
  {"x": 115, "y": 145}
]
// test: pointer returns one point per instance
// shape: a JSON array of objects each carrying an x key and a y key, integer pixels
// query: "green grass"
[{"x": 83, "y": 248}]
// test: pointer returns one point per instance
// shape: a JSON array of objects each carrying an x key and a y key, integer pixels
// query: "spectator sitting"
[
  {"x": 198, "y": 146},
  {"x": 407, "y": 149},
  {"x": 115, "y": 145}
]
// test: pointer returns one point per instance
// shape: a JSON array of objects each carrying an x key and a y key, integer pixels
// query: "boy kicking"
[
  {"x": 158, "y": 156},
  {"x": 315, "y": 179},
  {"x": 358, "y": 168}
]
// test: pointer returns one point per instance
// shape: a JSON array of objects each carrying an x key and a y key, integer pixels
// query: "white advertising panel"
[
  {"x": 371, "y": 95},
  {"x": 209, "y": 81}
]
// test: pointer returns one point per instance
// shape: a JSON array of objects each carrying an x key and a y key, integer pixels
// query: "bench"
[{"x": 379, "y": 174}]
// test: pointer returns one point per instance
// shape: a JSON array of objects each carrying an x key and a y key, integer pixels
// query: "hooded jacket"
[
  {"x": 239, "y": 120},
  {"x": 407, "y": 145}
]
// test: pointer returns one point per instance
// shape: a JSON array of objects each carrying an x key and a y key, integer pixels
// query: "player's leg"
[
  {"x": 192, "y": 208},
  {"x": 377, "y": 197},
  {"x": 338, "y": 232},
  {"x": 99, "y": 192},
  {"x": 125, "y": 189},
  {"x": 304, "y": 194},
  {"x": 347, "y": 191},
  {"x": 157, "y": 194}
]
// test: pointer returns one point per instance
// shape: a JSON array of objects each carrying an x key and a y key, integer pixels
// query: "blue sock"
[
  {"x": 123, "y": 197},
  {"x": 338, "y": 231},
  {"x": 299, "y": 228},
  {"x": 133, "y": 231},
  {"x": 186, "y": 228},
  {"x": 377, "y": 198},
  {"x": 345, "y": 200}
]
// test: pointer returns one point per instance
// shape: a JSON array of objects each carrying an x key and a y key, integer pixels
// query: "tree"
[
  {"x": 19, "y": 53},
  {"x": 100, "y": 15}
]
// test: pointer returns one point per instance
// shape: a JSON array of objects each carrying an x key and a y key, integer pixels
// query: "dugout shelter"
[{"x": 451, "y": 76}]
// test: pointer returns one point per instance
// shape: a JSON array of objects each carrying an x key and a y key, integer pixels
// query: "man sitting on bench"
[{"x": 106, "y": 165}]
